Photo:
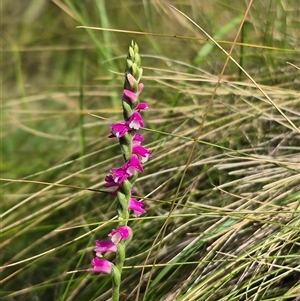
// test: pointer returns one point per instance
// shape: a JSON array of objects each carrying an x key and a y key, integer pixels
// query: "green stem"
[
  {"x": 116, "y": 280},
  {"x": 125, "y": 144}
]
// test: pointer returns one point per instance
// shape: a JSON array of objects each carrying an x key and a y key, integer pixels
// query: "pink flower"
[
  {"x": 141, "y": 106},
  {"x": 140, "y": 87},
  {"x": 137, "y": 138},
  {"x": 141, "y": 151},
  {"x": 112, "y": 185},
  {"x": 133, "y": 83},
  {"x": 100, "y": 266},
  {"x": 135, "y": 121},
  {"x": 121, "y": 233},
  {"x": 104, "y": 246},
  {"x": 118, "y": 130},
  {"x": 137, "y": 207},
  {"x": 110, "y": 182},
  {"x": 127, "y": 94},
  {"x": 133, "y": 165},
  {"x": 120, "y": 174}
]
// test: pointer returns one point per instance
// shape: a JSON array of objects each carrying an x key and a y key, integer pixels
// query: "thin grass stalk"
[{"x": 81, "y": 116}]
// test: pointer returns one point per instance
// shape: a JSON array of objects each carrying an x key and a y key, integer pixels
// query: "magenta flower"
[
  {"x": 141, "y": 151},
  {"x": 110, "y": 182},
  {"x": 111, "y": 185},
  {"x": 135, "y": 121},
  {"x": 121, "y": 233},
  {"x": 100, "y": 266},
  {"x": 141, "y": 106},
  {"x": 104, "y": 246},
  {"x": 118, "y": 130},
  {"x": 120, "y": 174},
  {"x": 133, "y": 165},
  {"x": 137, "y": 207},
  {"x": 127, "y": 94},
  {"x": 137, "y": 138}
]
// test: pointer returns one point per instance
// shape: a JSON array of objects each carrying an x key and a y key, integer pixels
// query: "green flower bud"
[
  {"x": 137, "y": 59},
  {"x": 131, "y": 53},
  {"x": 135, "y": 47},
  {"x": 129, "y": 63},
  {"x": 135, "y": 71}
]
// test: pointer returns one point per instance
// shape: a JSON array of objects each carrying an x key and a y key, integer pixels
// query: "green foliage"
[{"x": 222, "y": 186}]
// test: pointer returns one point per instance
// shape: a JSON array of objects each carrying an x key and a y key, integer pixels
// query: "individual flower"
[
  {"x": 120, "y": 174},
  {"x": 110, "y": 182},
  {"x": 121, "y": 233},
  {"x": 137, "y": 207},
  {"x": 100, "y": 266},
  {"x": 141, "y": 106},
  {"x": 129, "y": 95},
  {"x": 118, "y": 130},
  {"x": 141, "y": 151},
  {"x": 133, "y": 165},
  {"x": 132, "y": 96},
  {"x": 111, "y": 185},
  {"x": 135, "y": 121},
  {"x": 134, "y": 83},
  {"x": 140, "y": 87},
  {"x": 137, "y": 138},
  {"x": 104, "y": 246}
]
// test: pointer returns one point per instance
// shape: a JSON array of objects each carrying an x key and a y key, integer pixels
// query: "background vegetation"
[{"x": 222, "y": 186}]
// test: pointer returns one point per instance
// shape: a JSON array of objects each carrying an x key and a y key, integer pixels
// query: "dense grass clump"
[{"x": 222, "y": 186}]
